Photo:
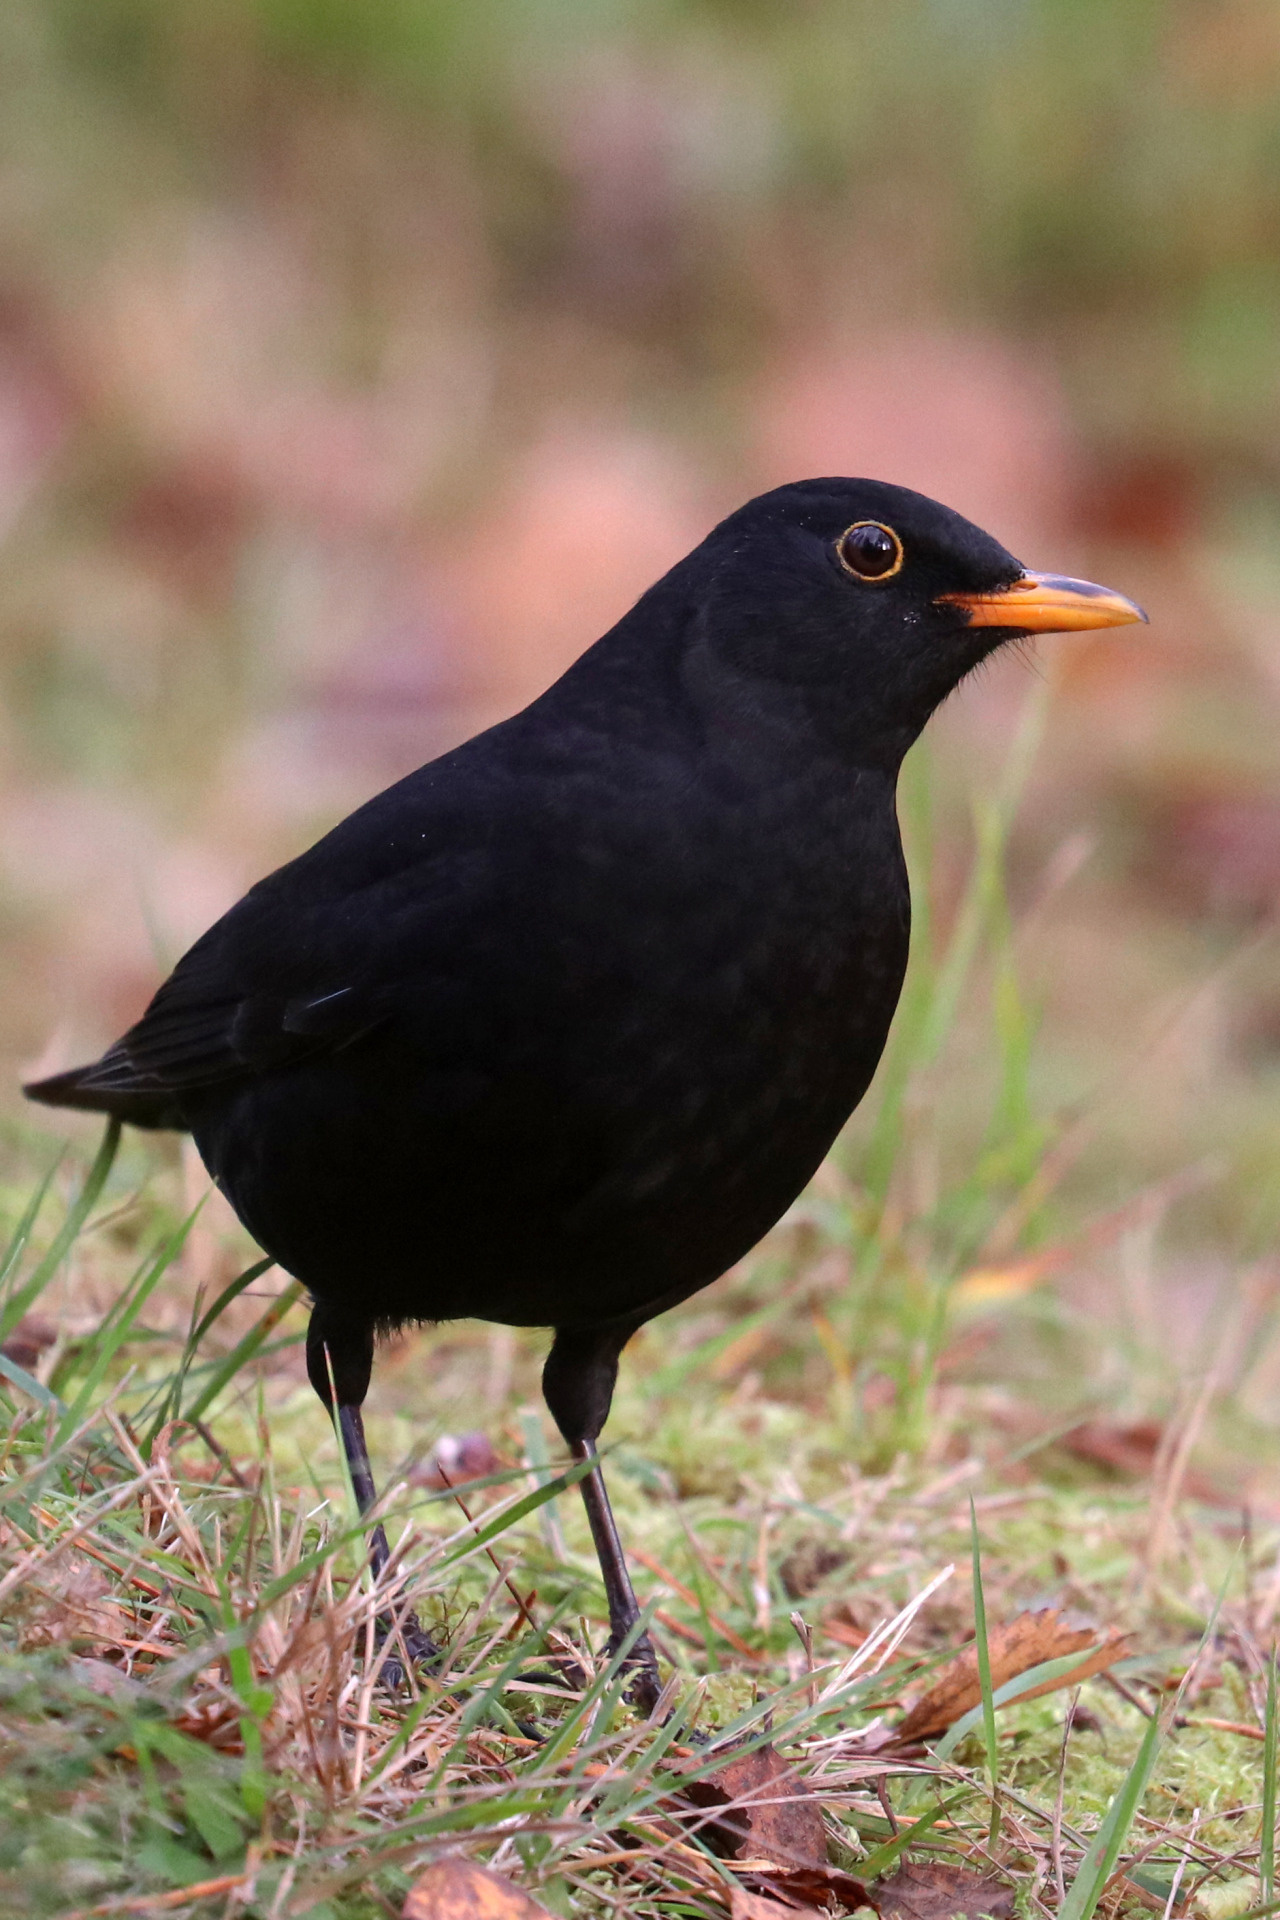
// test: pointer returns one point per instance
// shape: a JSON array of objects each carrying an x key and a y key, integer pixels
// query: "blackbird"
[{"x": 553, "y": 1030}]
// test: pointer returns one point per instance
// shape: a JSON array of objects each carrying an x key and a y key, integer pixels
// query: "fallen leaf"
[
  {"x": 843, "y": 1624},
  {"x": 33, "y": 1335},
  {"x": 768, "y": 1815},
  {"x": 457, "y": 1889},
  {"x": 935, "y": 1891},
  {"x": 1131, "y": 1449},
  {"x": 771, "y": 1828},
  {"x": 808, "y": 1564},
  {"x": 1015, "y": 1647},
  {"x": 740, "y": 1353},
  {"x": 69, "y": 1602},
  {"x": 807, "y": 1887},
  {"x": 745, "y": 1905},
  {"x": 982, "y": 1286},
  {"x": 214, "y": 1719}
]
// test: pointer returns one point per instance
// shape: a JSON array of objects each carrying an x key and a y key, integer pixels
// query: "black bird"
[{"x": 552, "y": 1031}]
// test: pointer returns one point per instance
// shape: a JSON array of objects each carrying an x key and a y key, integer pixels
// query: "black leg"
[
  {"x": 351, "y": 1427},
  {"x": 578, "y": 1382},
  {"x": 339, "y": 1362}
]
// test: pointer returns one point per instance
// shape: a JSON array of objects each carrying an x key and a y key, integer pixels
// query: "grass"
[{"x": 191, "y": 1712}]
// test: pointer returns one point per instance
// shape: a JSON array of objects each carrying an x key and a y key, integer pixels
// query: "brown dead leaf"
[
  {"x": 807, "y": 1887},
  {"x": 985, "y": 1286},
  {"x": 771, "y": 1828},
  {"x": 215, "y": 1719},
  {"x": 741, "y": 1352},
  {"x": 809, "y": 1563},
  {"x": 69, "y": 1602},
  {"x": 1128, "y": 1449},
  {"x": 768, "y": 1815},
  {"x": 1133, "y": 1450},
  {"x": 745, "y": 1905},
  {"x": 845, "y": 1624},
  {"x": 1015, "y": 1647},
  {"x": 457, "y": 1889},
  {"x": 33, "y": 1335},
  {"x": 934, "y": 1891}
]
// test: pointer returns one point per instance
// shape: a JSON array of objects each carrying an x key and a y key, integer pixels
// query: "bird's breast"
[{"x": 756, "y": 1003}]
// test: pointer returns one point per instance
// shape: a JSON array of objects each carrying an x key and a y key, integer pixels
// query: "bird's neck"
[
  {"x": 661, "y": 667},
  {"x": 767, "y": 723}
]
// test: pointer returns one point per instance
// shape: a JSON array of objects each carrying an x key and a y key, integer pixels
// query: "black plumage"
[{"x": 554, "y": 1029}]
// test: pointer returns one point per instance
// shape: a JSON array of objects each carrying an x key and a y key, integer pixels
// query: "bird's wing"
[
  {"x": 428, "y": 899},
  {"x": 192, "y": 1038},
  {"x": 314, "y": 957}
]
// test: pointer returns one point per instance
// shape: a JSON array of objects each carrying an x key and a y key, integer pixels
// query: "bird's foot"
[
  {"x": 419, "y": 1649},
  {"x": 563, "y": 1669},
  {"x": 644, "y": 1688}
]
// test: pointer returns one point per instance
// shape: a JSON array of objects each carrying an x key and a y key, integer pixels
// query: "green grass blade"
[
  {"x": 983, "y": 892},
  {"x": 171, "y": 1400},
  {"x": 27, "y": 1383},
  {"x": 510, "y": 1515},
  {"x": 882, "y": 1858},
  {"x": 1099, "y": 1862},
  {"x": 984, "y": 1673},
  {"x": 611, "y": 1679},
  {"x": 274, "y": 1590},
  {"x": 1096, "y": 1868},
  {"x": 481, "y": 1702},
  {"x": 244, "y": 1349},
  {"x": 1267, "y": 1859},
  {"x": 966, "y": 937},
  {"x": 65, "y": 1238},
  {"x": 116, "y": 1327},
  {"x": 935, "y": 987},
  {"x": 1012, "y": 1690},
  {"x": 22, "y": 1232},
  {"x": 535, "y": 1448},
  {"x": 230, "y": 1292},
  {"x": 1262, "y": 1911}
]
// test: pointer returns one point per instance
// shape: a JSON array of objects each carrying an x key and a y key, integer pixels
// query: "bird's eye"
[{"x": 870, "y": 551}]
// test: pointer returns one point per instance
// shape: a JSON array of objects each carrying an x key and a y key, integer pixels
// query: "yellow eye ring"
[{"x": 870, "y": 551}]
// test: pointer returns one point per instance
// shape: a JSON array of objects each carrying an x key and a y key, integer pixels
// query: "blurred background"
[{"x": 361, "y": 360}]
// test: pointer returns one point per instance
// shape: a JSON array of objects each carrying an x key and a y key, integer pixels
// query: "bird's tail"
[{"x": 141, "y": 1107}]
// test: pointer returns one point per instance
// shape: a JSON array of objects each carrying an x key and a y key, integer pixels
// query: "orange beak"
[{"x": 1047, "y": 603}]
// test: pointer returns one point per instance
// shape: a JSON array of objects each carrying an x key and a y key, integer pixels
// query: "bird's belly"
[
  {"x": 606, "y": 1168},
  {"x": 707, "y": 1169}
]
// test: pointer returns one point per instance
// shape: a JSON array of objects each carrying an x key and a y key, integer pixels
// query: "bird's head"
[{"x": 875, "y": 600}]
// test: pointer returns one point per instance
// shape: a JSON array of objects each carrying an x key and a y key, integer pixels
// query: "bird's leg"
[
  {"x": 351, "y": 1427},
  {"x": 578, "y": 1382},
  {"x": 339, "y": 1363},
  {"x": 624, "y": 1609}
]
